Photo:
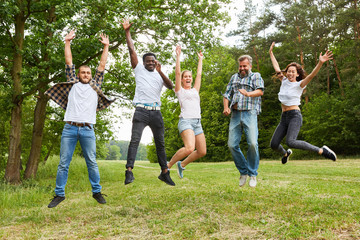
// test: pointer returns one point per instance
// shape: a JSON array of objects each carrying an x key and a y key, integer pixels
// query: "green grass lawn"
[{"x": 300, "y": 200}]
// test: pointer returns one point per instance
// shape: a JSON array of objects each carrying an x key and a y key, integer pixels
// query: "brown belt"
[
  {"x": 234, "y": 106},
  {"x": 80, "y": 124}
]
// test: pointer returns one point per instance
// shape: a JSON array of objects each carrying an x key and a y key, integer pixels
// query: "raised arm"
[
  {"x": 322, "y": 58},
  {"x": 130, "y": 44},
  {"x": 166, "y": 80},
  {"x": 275, "y": 63},
  {"x": 68, "y": 57},
  {"x": 178, "y": 69},
  {"x": 105, "y": 41},
  {"x": 197, "y": 83}
]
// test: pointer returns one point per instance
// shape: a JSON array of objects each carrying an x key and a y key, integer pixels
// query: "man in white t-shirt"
[
  {"x": 81, "y": 96},
  {"x": 149, "y": 81}
]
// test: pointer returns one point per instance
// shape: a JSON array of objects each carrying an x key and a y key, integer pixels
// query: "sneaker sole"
[
  {"x": 165, "y": 181},
  {"x": 327, "y": 148}
]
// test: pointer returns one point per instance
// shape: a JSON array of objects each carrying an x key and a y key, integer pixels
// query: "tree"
[
  {"x": 32, "y": 32},
  {"x": 114, "y": 153}
]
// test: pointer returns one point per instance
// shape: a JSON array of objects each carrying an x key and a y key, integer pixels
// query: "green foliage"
[
  {"x": 114, "y": 153},
  {"x": 331, "y": 120},
  {"x": 46, "y": 22}
]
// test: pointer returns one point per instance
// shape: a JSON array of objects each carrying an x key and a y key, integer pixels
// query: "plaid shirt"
[
  {"x": 59, "y": 92},
  {"x": 251, "y": 82}
]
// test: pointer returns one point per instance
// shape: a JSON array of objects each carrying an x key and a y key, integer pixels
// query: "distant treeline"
[{"x": 118, "y": 150}]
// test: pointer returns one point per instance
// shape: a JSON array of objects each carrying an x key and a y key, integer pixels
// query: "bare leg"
[
  {"x": 188, "y": 137},
  {"x": 200, "y": 145}
]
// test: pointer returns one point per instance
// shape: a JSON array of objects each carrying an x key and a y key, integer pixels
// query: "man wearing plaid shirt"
[
  {"x": 81, "y": 96},
  {"x": 244, "y": 93}
]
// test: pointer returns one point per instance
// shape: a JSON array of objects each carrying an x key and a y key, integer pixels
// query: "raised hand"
[
  {"x": 70, "y": 36},
  {"x": 178, "y": 50},
  {"x": 157, "y": 66},
  {"x": 200, "y": 55},
  {"x": 326, "y": 57},
  {"x": 126, "y": 24},
  {"x": 104, "y": 39},
  {"x": 271, "y": 47}
]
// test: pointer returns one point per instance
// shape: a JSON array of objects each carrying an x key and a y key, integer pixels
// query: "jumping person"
[
  {"x": 149, "y": 84},
  {"x": 190, "y": 119},
  {"x": 293, "y": 81},
  {"x": 81, "y": 97},
  {"x": 244, "y": 93}
]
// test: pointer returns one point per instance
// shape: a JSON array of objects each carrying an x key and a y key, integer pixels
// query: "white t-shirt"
[
  {"x": 148, "y": 85},
  {"x": 189, "y": 100},
  {"x": 82, "y": 104},
  {"x": 290, "y": 92}
]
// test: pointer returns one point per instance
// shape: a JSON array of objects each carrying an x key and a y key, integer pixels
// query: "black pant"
[
  {"x": 289, "y": 126},
  {"x": 154, "y": 120}
]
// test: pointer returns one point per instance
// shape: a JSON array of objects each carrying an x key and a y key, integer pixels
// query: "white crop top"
[
  {"x": 290, "y": 92},
  {"x": 189, "y": 103}
]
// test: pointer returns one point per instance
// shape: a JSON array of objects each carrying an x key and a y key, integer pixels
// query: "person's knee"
[
  {"x": 201, "y": 152},
  {"x": 253, "y": 145},
  {"x": 189, "y": 150},
  {"x": 274, "y": 145},
  {"x": 291, "y": 143}
]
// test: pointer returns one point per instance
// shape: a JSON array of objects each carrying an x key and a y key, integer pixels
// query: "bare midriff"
[{"x": 289, "y": 108}]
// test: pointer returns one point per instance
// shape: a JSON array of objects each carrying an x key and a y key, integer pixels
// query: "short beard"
[
  {"x": 241, "y": 73},
  {"x": 82, "y": 81}
]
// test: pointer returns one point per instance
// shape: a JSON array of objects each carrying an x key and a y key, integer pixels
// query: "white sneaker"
[
  {"x": 242, "y": 181},
  {"x": 252, "y": 182}
]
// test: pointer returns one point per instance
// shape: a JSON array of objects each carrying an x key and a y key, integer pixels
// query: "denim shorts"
[{"x": 190, "y": 123}]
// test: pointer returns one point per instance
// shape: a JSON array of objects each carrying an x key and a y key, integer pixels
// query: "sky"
[{"x": 122, "y": 130}]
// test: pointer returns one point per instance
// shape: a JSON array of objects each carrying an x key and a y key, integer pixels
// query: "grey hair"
[{"x": 243, "y": 57}]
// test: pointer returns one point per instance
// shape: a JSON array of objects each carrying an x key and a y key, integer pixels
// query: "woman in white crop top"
[
  {"x": 293, "y": 81},
  {"x": 190, "y": 119}
]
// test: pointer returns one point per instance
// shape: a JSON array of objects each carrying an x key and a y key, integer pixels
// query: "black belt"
[{"x": 84, "y": 124}]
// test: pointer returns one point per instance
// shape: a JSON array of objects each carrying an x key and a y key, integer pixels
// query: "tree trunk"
[
  {"x": 357, "y": 35},
  {"x": 338, "y": 77},
  {"x": 256, "y": 59},
  {"x": 12, "y": 172},
  {"x": 40, "y": 112},
  {"x": 328, "y": 77},
  {"x": 37, "y": 136}
]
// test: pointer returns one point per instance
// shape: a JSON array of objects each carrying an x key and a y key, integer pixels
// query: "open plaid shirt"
[
  {"x": 59, "y": 92},
  {"x": 250, "y": 83}
]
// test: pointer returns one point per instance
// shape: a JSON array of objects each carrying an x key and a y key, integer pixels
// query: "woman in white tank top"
[
  {"x": 293, "y": 81},
  {"x": 190, "y": 117}
]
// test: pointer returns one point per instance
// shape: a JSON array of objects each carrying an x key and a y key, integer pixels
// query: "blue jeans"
[
  {"x": 86, "y": 136},
  {"x": 289, "y": 126},
  {"x": 244, "y": 121},
  {"x": 142, "y": 118}
]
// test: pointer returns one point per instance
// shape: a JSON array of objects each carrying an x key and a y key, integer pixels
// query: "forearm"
[
  {"x": 166, "y": 80},
  {"x": 311, "y": 75},
  {"x": 68, "y": 56},
  {"x": 226, "y": 103},
  {"x": 130, "y": 44},
  {"x": 177, "y": 74},
  {"x": 256, "y": 93},
  {"x": 103, "y": 58},
  {"x": 198, "y": 75},
  {"x": 275, "y": 63}
]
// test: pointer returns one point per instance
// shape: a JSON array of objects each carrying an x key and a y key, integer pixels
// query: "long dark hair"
[{"x": 299, "y": 69}]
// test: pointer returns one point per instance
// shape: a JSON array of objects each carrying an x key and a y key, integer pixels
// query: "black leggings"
[{"x": 289, "y": 126}]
